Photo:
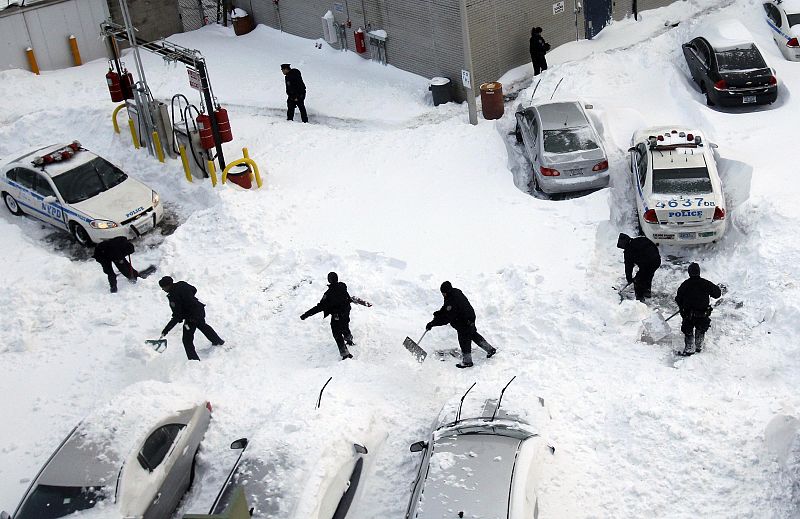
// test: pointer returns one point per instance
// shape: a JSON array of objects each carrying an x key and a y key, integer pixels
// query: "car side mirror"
[
  {"x": 713, "y": 145},
  {"x": 241, "y": 443},
  {"x": 418, "y": 446},
  {"x": 588, "y": 106},
  {"x": 552, "y": 449},
  {"x": 47, "y": 200},
  {"x": 631, "y": 149},
  {"x": 360, "y": 448}
]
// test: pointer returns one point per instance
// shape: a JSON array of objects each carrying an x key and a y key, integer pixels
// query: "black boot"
[
  {"x": 466, "y": 361},
  {"x": 688, "y": 341},
  {"x": 113, "y": 288},
  {"x": 698, "y": 342}
]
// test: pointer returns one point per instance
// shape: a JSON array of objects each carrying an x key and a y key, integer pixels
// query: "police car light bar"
[{"x": 64, "y": 153}]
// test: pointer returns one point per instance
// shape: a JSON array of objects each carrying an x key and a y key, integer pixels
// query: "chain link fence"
[{"x": 197, "y": 13}]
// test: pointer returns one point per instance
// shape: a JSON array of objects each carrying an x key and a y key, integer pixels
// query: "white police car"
[
  {"x": 679, "y": 196},
  {"x": 75, "y": 190},
  {"x": 783, "y": 18}
]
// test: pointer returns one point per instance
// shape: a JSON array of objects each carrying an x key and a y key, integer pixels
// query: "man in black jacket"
[
  {"x": 336, "y": 303},
  {"x": 115, "y": 251},
  {"x": 295, "y": 92},
  {"x": 458, "y": 313},
  {"x": 693, "y": 298},
  {"x": 642, "y": 253},
  {"x": 538, "y": 48},
  {"x": 186, "y": 308}
]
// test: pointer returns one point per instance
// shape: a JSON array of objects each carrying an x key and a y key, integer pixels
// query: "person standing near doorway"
[
  {"x": 538, "y": 48},
  {"x": 295, "y": 92}
]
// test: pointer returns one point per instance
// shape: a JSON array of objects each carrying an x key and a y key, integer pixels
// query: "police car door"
[
  {"x": 45, "y": 194},
  {"x": 26, "y": 179},
  {"x": 775, "y": 21}
]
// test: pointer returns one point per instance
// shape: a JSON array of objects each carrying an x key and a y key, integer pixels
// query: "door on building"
[{"x": 596, "y": 15}]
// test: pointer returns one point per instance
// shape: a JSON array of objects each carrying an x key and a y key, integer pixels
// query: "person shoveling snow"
[{"x": 693, "y": 302}]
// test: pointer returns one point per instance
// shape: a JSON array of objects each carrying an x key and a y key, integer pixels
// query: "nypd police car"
[
  {"x": 783, "y": 19},
  {"x": 679, "y": 196},
  {"x": 75, "y": 190}
]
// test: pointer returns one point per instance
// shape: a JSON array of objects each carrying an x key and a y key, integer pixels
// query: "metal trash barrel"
[
  {"x": 440, "y": 90},
  {"x": 492, "y": 100},
  {"x": 241, "y": 175},
  {"x": 242, "y": 24}
]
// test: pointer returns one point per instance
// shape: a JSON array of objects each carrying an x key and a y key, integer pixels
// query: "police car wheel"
[
  {"x": 80, "y": 235},
  {"x": 12, "y": 204}
]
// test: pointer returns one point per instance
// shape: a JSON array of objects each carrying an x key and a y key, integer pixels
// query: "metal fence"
[{"x": 197, "y": 13}]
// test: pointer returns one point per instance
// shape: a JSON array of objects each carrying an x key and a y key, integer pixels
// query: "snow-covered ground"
[{"x": 396, "y": 196}]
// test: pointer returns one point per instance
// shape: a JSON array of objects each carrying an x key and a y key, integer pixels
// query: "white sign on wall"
[
  {"x": 338, "y": 7},
  {"x": 194, "y": 78},
  {"x": 558, "y": 7},
  {"x": 466, "y": 80}
]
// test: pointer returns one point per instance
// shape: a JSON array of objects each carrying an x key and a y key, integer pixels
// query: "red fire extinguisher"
[
  {"x": 126, "y": 84},
  {"x": 223, "y": 124},
  {"x": 361, "y": 46},
  {"x": 114, "y": 87},
  {"x": 206, "y": 134}
]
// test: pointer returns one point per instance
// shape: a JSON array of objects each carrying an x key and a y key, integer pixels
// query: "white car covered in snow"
[
  {"x": 783, "y": 18},
  {"x": 77, "y": 191},
  {"x": 679, "y": 195},
  {"x": 132, "y": 459}
]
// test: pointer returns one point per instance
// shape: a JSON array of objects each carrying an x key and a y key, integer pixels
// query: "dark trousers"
[
  {"x": 539, "y": 63},
  {"x": 469, "y": 334},
  {"x": 643, "y": 280},
  {"x": 296, "y": 102},
  {"x": 695, "y": 320},
  {"x": 189, "y": 327},
  {"x": 125, "y": 268},
  {"x": 340, "y": 329}
]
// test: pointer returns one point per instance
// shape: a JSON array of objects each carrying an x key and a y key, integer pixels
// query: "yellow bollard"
[
  {"x": 213, "y": 172},
  {"x": 114, "y": 116},
  {"x": 32, "y": 61},
  {"x": 76, "y": 54},
  {"x": 134, "y": 137},
  {"x": 185, "y": 162},
  {"x": 253, "y": 166},
  {"x": 157, "y": 144}
]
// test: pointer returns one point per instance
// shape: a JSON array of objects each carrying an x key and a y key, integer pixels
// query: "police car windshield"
[
  {"x": 566, "y": 140},
  {"x": 740, "y": 59},
  {"x": 88, "y": 180},
  {"x": 681, "y": 181},
  {"x": 51, "y": 502}
]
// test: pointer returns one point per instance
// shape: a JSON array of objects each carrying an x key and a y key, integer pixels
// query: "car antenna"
[
  {"x": 458, "y": 414},
  {"x": 501, "y": 398},
  {"x": 556, "y": 88},
  {"x": 319, "y": 400}
]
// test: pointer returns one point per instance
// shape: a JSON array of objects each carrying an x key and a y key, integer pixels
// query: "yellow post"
[
  {"x": 32, "y": 61},
  {"x": 185, "y": 162},
  {"x": 114, "y": 116},
  {"x": 257, "y": 174},
  {"x": 76, "y": 54},
  {"x": 157, "y": 144},
  {"x": 213, "y": 172},
  {"x": 133, "y": 134}
]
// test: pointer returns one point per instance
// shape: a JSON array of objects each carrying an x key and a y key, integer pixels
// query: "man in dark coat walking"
[
  {"x": 693, "y": 298},
  {"x": 458, "y": 313},
  {"x": 115, "y": 251},
  {"x": 538, "y": 48},
  {"x": 295, "y": 92},
  {"x": 336, "y": 303},
  {"x": 642, "y": 253},
  {"x": 186, "y": 308}
]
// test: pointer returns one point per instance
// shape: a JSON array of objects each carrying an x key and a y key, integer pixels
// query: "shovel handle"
[
  {"x": 671, "y": 316},
  {"x": 423, "y": 335}
]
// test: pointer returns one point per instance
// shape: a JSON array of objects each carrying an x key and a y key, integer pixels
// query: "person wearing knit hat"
[
  {"x": 642, "y": 253},
  {"x": 693, "y": 298},
  {"x": 185, "y": 307},
  {"x": 336, "y": 303},
  {"x": 458, "y": 313}
]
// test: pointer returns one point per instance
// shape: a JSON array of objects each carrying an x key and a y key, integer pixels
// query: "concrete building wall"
[
  {"x": 154, "y": 19},
  {"x": 46, "y": 28}
]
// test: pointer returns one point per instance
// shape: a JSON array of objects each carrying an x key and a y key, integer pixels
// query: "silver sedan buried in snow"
[
  {"x": 89, "y": 470},
  {"x": 563, "y": 146}
]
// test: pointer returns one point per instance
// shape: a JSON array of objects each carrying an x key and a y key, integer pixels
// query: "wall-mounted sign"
[
  {"x": 558, "y": 7},
  {"x": 465, "y": 79},
  {"x": 194, "y": 78},
  {"x": 338, "y": 7}
]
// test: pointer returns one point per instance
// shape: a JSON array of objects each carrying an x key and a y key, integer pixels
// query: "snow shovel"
[
  {"x": 414, "y": 348},
  {"x": 656, "y": 327},
  {"x": 621, "y": 297},
  {"x": 159, "y": 345}
]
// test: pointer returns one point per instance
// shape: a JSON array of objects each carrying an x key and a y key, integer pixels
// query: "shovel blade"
[
  {"x": 158, "y": 345},
  {"x": 415, "y": 349},
  {"x": 655, "y": 327}
]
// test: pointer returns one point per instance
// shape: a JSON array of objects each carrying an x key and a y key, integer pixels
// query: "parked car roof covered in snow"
[{"x": 725, "y": 34}]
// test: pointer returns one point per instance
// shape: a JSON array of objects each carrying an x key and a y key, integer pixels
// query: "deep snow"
[{"x": 396, "y": 196}]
